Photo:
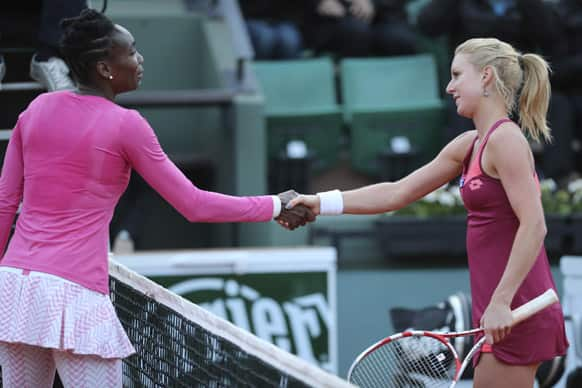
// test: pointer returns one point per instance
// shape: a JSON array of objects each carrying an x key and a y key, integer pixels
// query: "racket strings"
[{"x": 407, "y": 362}]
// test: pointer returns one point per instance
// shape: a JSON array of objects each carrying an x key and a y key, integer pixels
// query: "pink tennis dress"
[
  {"x": 491, "y": 229},
  {"x": 68, "y": 161}
]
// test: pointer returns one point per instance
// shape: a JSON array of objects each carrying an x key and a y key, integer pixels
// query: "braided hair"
[{"x": 86, "y": 39}]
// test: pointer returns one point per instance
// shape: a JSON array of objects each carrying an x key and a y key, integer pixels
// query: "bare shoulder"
[
  {"x": 466, "y": 137},
  {"x": 508, "y": 138},
  {"x": 508, "y": 150},
  {"x": 459, "y": 146}
]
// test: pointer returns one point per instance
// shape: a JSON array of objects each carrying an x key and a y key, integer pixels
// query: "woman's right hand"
[{"x": 310, "y": 201}]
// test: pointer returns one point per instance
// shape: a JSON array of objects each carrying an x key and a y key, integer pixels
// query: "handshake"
[{"x": 299, "y": 215}]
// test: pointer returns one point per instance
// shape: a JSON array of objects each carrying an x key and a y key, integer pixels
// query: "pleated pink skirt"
[{"x": 51, "y": 312}]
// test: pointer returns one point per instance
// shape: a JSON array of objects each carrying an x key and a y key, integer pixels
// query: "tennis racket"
[{"x": 424, "y": 358}]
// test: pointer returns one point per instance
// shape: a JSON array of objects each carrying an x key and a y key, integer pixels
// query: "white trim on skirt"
[{"x": 46, "y": 310}]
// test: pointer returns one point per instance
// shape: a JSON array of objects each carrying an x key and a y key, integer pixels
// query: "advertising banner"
[{"x": 285, "y": 296}]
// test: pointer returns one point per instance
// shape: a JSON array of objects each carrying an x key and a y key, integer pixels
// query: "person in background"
[
  {"x": 46, "y": 65},
  {"x": 273, "y": 27},
  {"x": 68, "y": 162},
  {"x": 392, "y": 33},
  {"x": 359, "y": 28},
  {"x": 508, "y": 265},
  {"x": 339, "y": 27},
  {"x": 567, "y": 80},
  {"x": 525, "y": 24}
]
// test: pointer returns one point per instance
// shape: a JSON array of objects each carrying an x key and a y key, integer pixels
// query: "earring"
[
  {"x": 485, "y": 93},
  {"x": 110, "y": 77}
]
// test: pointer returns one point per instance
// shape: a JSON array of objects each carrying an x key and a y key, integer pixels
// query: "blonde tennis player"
[{"x": 508, "y": 265}]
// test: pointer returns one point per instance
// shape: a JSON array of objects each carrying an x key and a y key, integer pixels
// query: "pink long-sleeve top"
[{"x": 68, "y": 162}]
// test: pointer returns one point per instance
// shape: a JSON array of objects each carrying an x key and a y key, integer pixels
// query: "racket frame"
[
  {"x": 521, "y": 313},
  {"x": 442, "y": 337}
]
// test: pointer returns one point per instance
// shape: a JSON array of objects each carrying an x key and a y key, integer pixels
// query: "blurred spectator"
[
  {"x": 273, "y": 27},
  {"x": 392, "y": 34},
  {"x": 46, "y": 65},
  {"x": 567, "y": 74},
  {"x": 358, "y": 28},
  {"x": 530, "y": 26},
  {"x": 526, "y": 24},
  {"x": 339, "y": 27}
]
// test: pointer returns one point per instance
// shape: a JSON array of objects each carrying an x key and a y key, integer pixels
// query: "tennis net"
[{"x": 179, "y": 344}]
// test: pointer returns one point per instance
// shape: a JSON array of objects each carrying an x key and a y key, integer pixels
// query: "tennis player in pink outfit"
[
  {"x": 68, "y": 162},
  {"x": 508, "y": 265}
]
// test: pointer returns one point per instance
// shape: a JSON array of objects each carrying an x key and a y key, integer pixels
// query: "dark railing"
[
  {"x": 222, "y": 98},
  {"x": 174, "y": 98},
  {"x": 21, "y": 86}
]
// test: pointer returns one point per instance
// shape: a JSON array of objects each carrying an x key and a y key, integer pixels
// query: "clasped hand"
[{"x": 298, "y": 215}]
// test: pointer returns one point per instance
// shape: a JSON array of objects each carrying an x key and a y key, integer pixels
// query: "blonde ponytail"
[{"x": 535, "y": 97}]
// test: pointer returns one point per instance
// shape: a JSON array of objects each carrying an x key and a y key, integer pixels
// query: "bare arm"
[
  {"x": 388, "y": 196},
  {"x": 508, "y": 156}
]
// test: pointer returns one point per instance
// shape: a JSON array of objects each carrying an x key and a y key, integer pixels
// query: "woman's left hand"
[{"x": 496, "y": 321}]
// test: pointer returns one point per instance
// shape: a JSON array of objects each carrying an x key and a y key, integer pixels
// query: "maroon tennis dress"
[{"x": 491, "y": 229}]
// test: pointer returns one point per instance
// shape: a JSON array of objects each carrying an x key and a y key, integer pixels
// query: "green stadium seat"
[
  {"x": 300, "y": 104},
  {"x": 389, "y": 97}
]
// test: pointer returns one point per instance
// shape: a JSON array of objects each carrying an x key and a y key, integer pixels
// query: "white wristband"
[
  {"x": 276, "y": 206},
  {"x": 331, "y": 203}
]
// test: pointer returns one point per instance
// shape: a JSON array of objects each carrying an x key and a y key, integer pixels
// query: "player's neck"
[
  {"x": 87, "y": 90},
  {"x": 485, "y": 119}
]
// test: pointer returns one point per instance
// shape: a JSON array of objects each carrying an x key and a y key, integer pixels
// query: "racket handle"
[{"x": 533, "y": 306}]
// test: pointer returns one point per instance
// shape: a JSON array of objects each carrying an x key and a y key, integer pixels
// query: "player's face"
[
  {"x": 465, "y": 86},
  {"x": 125, "y": 61}
]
